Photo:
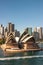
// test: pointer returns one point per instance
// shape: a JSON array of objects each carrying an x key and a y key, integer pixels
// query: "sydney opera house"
[{"x": 24, "y": 43}]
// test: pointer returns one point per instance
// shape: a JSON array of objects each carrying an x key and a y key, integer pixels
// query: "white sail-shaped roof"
[
  {"x": 23, "y": 37},
  {"x": 10, "y": 37},
  {"x": 27, "y": 38}
]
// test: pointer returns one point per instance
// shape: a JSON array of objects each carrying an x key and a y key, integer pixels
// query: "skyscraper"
[
  {"x": 17, "y": 33},
  {"x": 35, "y": 29},
  {"x": 6, "y": 32},
  {"x": 39, "y": 30},
  {"x": 10, "y": 27},
  {"x": 29, "y": 30},
  {"x": 1, "y": 29},
  {"x": 36, "y": 35},
  {"x": 42, "y": 32}
]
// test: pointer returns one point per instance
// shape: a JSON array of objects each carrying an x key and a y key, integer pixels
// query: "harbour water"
[{"x": 26, "y": 58}]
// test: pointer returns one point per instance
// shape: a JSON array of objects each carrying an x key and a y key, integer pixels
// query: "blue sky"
[{"x": 23, "y": 13}]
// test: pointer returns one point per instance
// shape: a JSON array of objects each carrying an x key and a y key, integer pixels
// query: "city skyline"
[
  {"x": 23, "y": 13},
  {"x": 4, "y": 32},
  {"x": 14, "y": 27}
]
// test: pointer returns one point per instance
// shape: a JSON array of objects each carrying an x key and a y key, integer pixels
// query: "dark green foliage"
[{"x": 2, "y": 41}]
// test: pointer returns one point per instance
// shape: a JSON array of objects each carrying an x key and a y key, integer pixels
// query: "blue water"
[{"x": 26, "y": 58}]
